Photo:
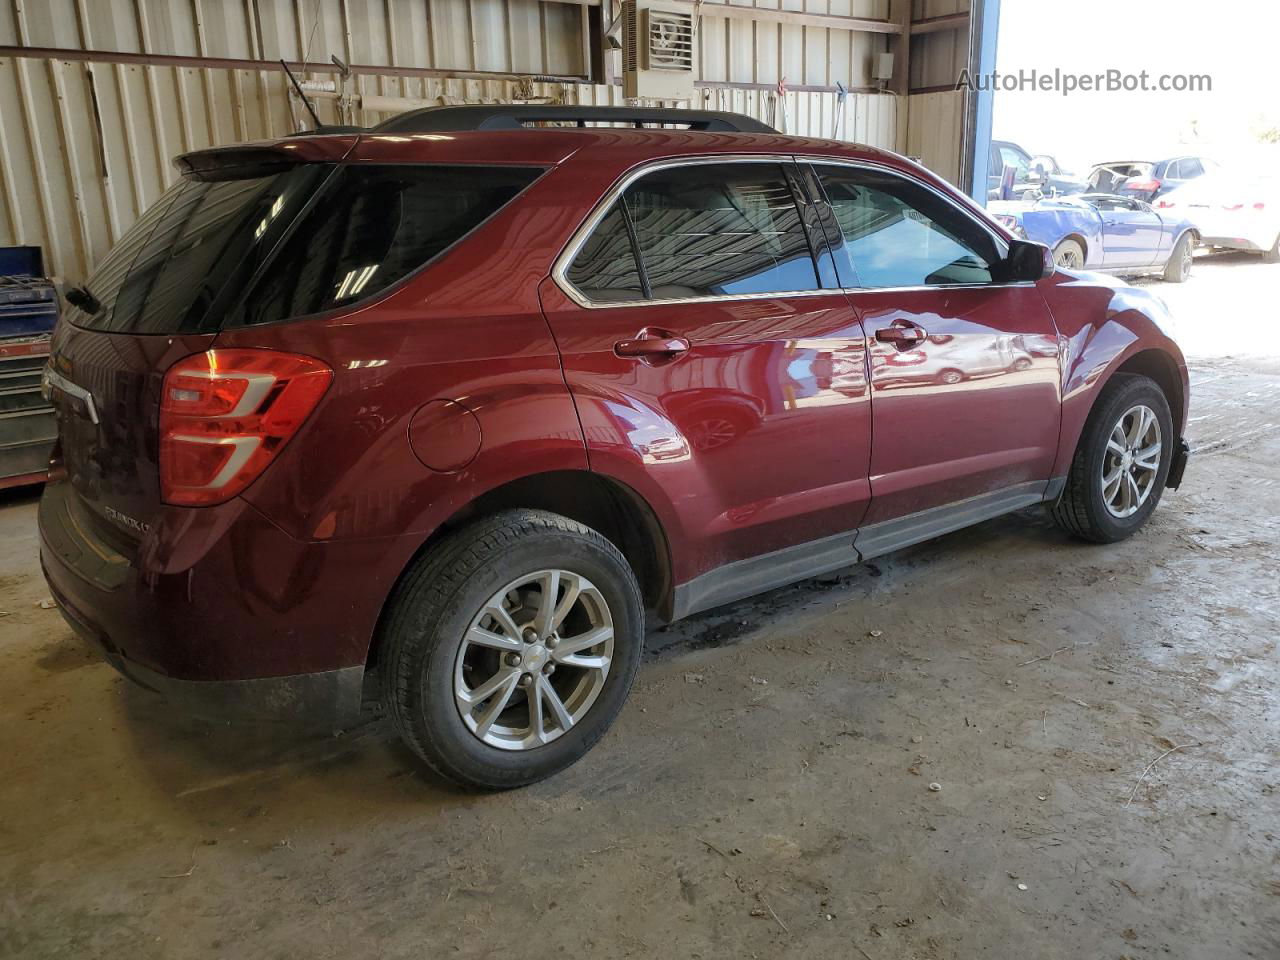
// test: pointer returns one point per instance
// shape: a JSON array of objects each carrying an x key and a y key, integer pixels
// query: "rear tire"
[
  {"x": 1069, "y": 254},
  {"x": 1178, "y": 268},
  {"x": 436, "y": 673},
  {"x": 1094, "y": 509}
]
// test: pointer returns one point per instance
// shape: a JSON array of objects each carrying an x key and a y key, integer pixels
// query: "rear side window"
[
  {"x": 373, "y": 226},
  {"x": 717, "y": 229},
  {"x": 898, "y": 233}
]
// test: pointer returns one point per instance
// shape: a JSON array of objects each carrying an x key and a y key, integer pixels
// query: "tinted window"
[
  {"x": 167, "y": 271},
  {"x": 373, "y": 226},
  {"x": 898, "y": 233},
  {"x": 1174, "y": 170},
  {"x": 1191, "y": 168},
  {"x": 719, "y": 229},
  {"x": 605, "y": 267}
]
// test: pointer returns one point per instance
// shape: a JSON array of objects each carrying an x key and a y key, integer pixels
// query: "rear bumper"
[
  {"x": 332, "y": 696},
  {"x": 1178, "y": 465},
  {"x": 221, "y": 611}
]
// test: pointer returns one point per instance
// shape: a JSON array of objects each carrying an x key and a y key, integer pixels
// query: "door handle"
[
  {"x": 902, "y": 334},
  {"x": 652, "y": 345}
]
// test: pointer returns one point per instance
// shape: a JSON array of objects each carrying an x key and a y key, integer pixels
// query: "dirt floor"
[{"x": 1102, "y": 723}]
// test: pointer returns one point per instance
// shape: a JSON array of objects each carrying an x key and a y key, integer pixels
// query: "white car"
[{"x": 1232, "y": 210}]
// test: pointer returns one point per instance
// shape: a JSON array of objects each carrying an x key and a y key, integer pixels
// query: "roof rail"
[{"x": 518, "y": 116}]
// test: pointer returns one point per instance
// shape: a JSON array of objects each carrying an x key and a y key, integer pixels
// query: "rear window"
[
  {"x": 183, "y": 267},
  {"x": 373, "y": 227},
  {"x": 166, "y": 273}
]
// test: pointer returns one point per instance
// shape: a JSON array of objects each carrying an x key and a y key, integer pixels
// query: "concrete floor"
[{"x": 766, "y": 792}]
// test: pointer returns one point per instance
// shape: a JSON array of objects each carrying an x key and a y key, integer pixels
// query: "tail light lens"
[
  {"x": 1233, "y": 206},
  {"x": 1142, "y": 186},
  {"x": 1259, "y": 206},
  {"x": 224, "y": 416},
  {"x": 1163, "y": 204}
]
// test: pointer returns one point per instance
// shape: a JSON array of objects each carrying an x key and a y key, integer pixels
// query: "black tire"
[
  {"x": 1069, "y": 254},
  {"x": 1081, "y": 510},
  {"x": 1178, "y": 267},
  {"x": 433, "y": 607}
]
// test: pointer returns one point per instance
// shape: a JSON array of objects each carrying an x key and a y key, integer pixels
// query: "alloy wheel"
[
  {"x": 534, "y": 660},
  {"x": 1131, "y": 463}
]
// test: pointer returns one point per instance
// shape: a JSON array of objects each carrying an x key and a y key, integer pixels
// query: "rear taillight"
[
  {"x": 1164, "y": 204},
  {"x": 224, "y": 416},
  {"x": 1259, "y": 206},
  {"x": 1142, "y": 186},
  {"x": 1233, "y": 206}
]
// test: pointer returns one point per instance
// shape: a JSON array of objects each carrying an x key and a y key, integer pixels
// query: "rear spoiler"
[{"x": 246, "y": 161}]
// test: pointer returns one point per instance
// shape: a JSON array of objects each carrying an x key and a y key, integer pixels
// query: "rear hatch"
[
  {"x": 250, "y": 236},
  {"x": 158, "y": 296}
]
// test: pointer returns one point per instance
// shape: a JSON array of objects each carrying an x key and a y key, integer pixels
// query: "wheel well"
[
  {"x": 612, "y": 509},
  {"x": 1159, "y": 366}
]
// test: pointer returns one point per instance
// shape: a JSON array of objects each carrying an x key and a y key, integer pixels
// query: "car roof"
[{"x": 552, "y": 145}]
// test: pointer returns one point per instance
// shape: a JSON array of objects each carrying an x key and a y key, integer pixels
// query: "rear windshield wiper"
[{"x": 82, "y": 298}]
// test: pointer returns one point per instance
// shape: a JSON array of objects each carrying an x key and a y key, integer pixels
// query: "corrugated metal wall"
[
  {"x": 938, "y": 58},
  {"x": 935, "y": 131},
  {"x": 87, "y": 143}
]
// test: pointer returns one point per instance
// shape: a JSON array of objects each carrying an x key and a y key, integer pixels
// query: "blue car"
[{"x": 1103, "y": 232}]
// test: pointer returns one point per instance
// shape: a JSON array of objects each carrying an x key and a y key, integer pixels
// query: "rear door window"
[
  {"x": 699, "y": 230},
  {"x": 373, "y": 226}
]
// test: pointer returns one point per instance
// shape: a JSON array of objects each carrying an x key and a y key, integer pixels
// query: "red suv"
[{"x": 435, "y": 416}]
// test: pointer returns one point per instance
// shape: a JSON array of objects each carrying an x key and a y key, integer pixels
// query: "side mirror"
[{"x": 1027, "y": 262}]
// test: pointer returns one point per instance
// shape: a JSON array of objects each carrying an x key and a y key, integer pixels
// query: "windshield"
[{"x": 1108, "y": 177}]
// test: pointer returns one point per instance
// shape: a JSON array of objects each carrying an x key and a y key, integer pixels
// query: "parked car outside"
[
  {"x": 1111, "y": 234},
  {"x": 438, "y": 418},
  {"x": 1040, "y": 173},
  {"x": 1147, "y": 179},
  {"x": 1231, "y": 210}
]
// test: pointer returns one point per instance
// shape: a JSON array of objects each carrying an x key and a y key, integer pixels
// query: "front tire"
[
  {"x": 1120, "y": 465},
  {"x": 511, "y": 648},
  {"x": 1178, "y": 268}
]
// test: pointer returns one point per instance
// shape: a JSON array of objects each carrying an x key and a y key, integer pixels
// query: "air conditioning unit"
[{"x": 659, "y": 50}]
